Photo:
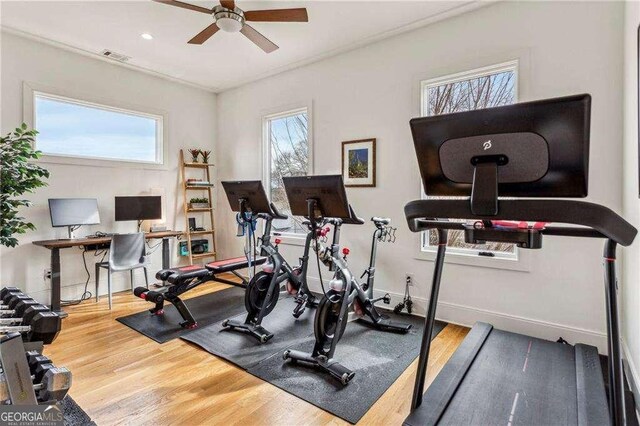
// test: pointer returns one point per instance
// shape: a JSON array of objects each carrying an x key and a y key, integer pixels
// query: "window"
[
  {"x": 484, "y": 88},
  {"x": 287, "y": 153},
  {"x": 73, "y": 128}
]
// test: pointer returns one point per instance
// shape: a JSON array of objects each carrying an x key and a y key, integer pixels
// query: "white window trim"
[
  {"x": 521, "y": 259},
  {"x": 291, "y": 238},
  {"x": 31, "y": 90}
]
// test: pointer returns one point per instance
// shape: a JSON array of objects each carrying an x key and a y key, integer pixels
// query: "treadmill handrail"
[{"x": 594, "y": 216}]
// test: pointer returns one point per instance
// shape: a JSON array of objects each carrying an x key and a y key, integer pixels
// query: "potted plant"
[
  {"x": 199, "y": 203},
  {"x": 194, "y": 154},
  {"x": 18, "y": 176},
  {"x": 205, "y": 156}
]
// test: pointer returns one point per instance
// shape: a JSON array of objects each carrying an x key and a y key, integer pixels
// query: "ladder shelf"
[{"x": 202, "y": 212}]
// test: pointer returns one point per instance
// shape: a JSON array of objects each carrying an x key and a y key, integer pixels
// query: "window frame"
[
  {"x": 292, "y": 238},
  {"x": 33, "y": 90},
  {"x": 519, "y": 260}
]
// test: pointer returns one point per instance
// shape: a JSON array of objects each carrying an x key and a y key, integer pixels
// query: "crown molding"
[
  {"x": 417, "y": 24},
  {"x": 94, "y": 55}
]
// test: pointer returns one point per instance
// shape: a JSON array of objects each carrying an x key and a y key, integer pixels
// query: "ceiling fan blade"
[
  {"x": 278, "y": 15},
  {"x": 261, "y": 41},
  {"x": 185, "y": 6},
  {"x": 229, "y": 4},
  {"x": 205, "y": 34}
]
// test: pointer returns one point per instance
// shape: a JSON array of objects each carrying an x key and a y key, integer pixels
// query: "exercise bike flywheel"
[
  {"x": 327, "y": 325},
  {"x": 256, "y": 294}
]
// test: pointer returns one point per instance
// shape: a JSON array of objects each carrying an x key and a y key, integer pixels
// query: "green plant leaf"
[{"x": 18, "y": 176}]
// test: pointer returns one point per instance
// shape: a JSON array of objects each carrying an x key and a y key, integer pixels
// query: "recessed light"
[{"x": 146, "y": 36}]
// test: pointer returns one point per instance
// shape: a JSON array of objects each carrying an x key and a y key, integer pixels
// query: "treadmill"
[{"x": 532, "y": 154}]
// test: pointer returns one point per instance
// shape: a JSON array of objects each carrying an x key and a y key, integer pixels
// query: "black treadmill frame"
[
  {"x": 615, "y": 371},
  {"x": 571, "y": 162}
]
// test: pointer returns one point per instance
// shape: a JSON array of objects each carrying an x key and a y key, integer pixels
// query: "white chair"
[{"x": 127, "y": 252}]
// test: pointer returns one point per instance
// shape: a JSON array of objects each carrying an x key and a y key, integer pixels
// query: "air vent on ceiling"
[{"x": 115, "y": 56}]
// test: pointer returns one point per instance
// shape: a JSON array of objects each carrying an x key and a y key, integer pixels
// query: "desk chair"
[{"x": 127, "y": 252}]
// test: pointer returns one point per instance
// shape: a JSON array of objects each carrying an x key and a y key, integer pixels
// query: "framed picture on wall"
[{"x": 359, "y": 163}]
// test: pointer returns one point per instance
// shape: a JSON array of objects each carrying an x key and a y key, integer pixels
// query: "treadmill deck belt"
[{"x": 502, "y": 378}]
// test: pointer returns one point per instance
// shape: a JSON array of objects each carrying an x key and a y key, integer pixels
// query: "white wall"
[
  {"x": 630, "y": 290},
  {"x": 191, "y": 123},
  {"x": 564, "y": 48}
]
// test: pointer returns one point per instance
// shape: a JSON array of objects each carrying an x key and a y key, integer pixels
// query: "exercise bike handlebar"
[{"x": 275, "y": 213}]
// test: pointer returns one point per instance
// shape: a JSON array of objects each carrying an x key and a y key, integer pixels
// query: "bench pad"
[
  {"x": 227, "y": 265},
  {"x": 183, "y": 273}
]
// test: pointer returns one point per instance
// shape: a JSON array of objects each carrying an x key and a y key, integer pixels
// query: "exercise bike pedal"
[
  {"x": 299, "y": 309},
  {"x": 189, "y": 325},
  {"x": 386, "y": 299}
]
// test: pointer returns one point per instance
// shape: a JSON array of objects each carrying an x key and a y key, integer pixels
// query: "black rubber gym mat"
[
  {"x": 378, "y": 358},
  {"x": 206, "y": 309},
  {"x": 73, "y": 415},
  {"x": 243, "y": 349}
]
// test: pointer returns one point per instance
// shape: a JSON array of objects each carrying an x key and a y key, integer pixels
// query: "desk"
[{"x": 56, "y": 245}]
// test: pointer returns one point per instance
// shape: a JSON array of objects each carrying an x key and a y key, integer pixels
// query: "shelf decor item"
[
  {"x": 359, "y": 163},
  {"x": 199, "y": 203},
  {"x": 194, "y": 154},
  {"x": 205, "y": 156}
]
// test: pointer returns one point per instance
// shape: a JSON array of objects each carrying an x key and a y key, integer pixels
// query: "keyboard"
[{"x": 101, "y": 235}]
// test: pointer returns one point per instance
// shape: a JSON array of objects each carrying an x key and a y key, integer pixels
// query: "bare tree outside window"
[
  {"x": 483, "y": 91},
  {"x": 289, "y": 148}
]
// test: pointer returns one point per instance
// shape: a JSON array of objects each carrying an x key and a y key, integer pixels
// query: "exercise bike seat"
[
  {"x": 228, "y": 265},
  {"x": 381, "y": 220},
  {"x": 353, "y": 219}
]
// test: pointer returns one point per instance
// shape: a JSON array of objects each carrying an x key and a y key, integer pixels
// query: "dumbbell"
[
  {"x": 50, "y": 382},
  {"x": 17, "y": 307},
  {"x": 10, "y": 297},
  {"x": 37, "y": 324},
  {"x": 34, "y": 320},
  {"x": 54, "y": 384},
  {"x": 6, "y": 290}
]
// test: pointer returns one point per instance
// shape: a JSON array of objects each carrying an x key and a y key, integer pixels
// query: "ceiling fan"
[{"x": 228, "y": 17}]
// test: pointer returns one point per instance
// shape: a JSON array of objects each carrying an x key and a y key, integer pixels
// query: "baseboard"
[
  {"x": 633, "y": 378},
  {"x": 466, "y": 316},
  {"x": 73, "y": 291}
]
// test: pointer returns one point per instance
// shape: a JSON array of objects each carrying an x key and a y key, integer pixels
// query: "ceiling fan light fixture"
[
  {"x": 229, "y": 25},
  {"x": 229, "y": 20}
]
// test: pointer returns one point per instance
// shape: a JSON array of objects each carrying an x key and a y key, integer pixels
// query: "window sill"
[
  {"x": 522, "y": 263},
  {"x": 95, "y": 162}
]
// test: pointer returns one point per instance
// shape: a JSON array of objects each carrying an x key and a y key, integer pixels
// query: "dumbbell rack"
[{"x": 27, "y": 377}]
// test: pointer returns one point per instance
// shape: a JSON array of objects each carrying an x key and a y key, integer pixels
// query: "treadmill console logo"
[{"x": 486, "y": 145}]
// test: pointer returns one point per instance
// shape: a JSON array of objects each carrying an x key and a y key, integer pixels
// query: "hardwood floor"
[{"x": 122, "y": 377}]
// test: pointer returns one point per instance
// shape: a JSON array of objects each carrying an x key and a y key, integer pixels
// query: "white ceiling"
[{"x": 227, "y": 59}]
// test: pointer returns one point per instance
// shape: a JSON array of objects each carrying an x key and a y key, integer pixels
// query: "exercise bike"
[
  {"x": 263, "y": 289},
  {"x": 326, "y": 204}
]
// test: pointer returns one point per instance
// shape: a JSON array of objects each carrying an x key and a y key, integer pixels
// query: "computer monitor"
[
  {"x": 327, "y": 191},
  {"x": 540, "y": 148},
  {"x": 73, "y": 212},
  {"x": 139, "y": 208}
]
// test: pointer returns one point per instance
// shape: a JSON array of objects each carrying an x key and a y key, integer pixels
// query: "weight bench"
[{"x": 186, "y": 278}]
